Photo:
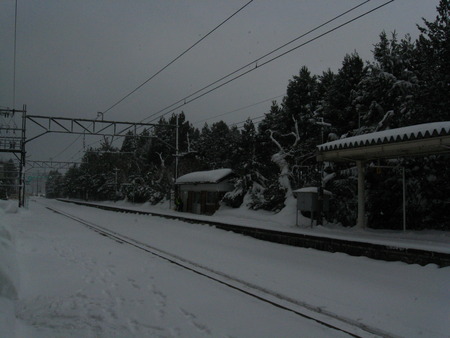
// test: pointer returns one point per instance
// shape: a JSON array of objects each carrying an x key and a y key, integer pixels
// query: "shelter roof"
[
  {"x": 209, "y": 176},
  {"x": 422, "y": 139},
  {"x": 312, "y": 190}
]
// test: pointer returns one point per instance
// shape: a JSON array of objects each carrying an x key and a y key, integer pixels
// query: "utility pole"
[
  {"x": 37, "y": 183},
  {"x": 176, "y": 149},
  {"x": 322, "y": 124},
  {"x": 116, "y": 183},
  {"x": 22, "y": 158}
]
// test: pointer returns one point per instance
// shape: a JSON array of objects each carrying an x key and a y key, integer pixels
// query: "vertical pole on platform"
[
  {"x": 404, "y": 199},
  {"x": 22, "y": 159},
  {"x": 176, "y": 150},
  {"x": 175, "y": 194},
  {"x": 361, "y": 195}
]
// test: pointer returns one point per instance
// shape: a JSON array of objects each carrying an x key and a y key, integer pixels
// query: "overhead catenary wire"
[
  {"x": 66, "y": 148},
  {"x": 238, "y": 109},
  {"x": 178, "y": 57},
  {"x": 162, "y": 69},
  {"x": 15, "y": 56},
  {"x": 237, "y": 124},
  {"x": 196, "y": 122},
  {"x": 190, "y": 98},
  {"x": 185, "y": 100}
]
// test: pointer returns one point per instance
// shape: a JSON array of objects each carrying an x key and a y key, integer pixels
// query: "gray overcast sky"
[{"x": 78, "y": 57}]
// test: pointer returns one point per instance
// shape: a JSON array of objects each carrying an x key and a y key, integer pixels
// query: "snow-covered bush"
[
  {"x": 147, "y": 189},
  {"x": 8, "y": 271},
  {"x": 256, "y": 197},
  {"x": 137, "y": 192},
  {"x": 274, "y": 197},
  {"x": 9, "y": 278},
  {"x": 344, "y": 204},
  {"x": 235, "y": 197}
]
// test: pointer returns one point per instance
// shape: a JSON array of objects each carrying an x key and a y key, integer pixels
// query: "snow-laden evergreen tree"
[
  {"x": 54, "y": 185},
  {"x": 433, "y": 64},
  {"x": 9, "y": 175},
  {"x": 280, "y": 138},
  {"x": 428, "y": 178},
  {"x": 249, "y": 183},
  {"x": 72, "y": 184},
  {"x": 406, "y": 83},
  {"x": 337, "y": 93},
  {"x": 301, "y": 103},
  {"x": 98, "y": 172},
  {"x": 386, "y": 92},
  {"x": 217, "y": 145}
]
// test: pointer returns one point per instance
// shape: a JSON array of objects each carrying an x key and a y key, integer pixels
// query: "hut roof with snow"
[
  {"x": 202, "y": 191},
  {"x": 209, "y": 176}
]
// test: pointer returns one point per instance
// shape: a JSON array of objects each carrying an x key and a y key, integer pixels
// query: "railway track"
[
  {"x": 353, "y": 248},
  {"x": 283, "y": 302}
]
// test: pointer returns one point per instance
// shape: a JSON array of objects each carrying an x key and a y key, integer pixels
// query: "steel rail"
[
  {"x": 302, "y": 309},
  {"x": 386, "y": 252}
]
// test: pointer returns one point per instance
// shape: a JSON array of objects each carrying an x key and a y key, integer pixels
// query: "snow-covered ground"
[
  {"x": 59, "y": 279},
  {"x": 430, "y": 240}
]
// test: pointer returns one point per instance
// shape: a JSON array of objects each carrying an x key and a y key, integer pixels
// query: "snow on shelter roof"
[
  {"x": 313, "y": 190},
  {"x": 405, "y": 141},
  {"x": 210, "y": 176}
]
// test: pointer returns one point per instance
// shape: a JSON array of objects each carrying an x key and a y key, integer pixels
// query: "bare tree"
[{"x": 280, "y": 158}]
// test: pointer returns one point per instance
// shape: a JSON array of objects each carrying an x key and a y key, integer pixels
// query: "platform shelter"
[
  {"x": 418, "y": 140},
  {"x": 202, "y": 191}
]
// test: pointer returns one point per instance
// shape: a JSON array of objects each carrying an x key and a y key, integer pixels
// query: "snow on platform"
[
  {"x": 427, "y": 240},
  {"x": 75, "y": 283}
]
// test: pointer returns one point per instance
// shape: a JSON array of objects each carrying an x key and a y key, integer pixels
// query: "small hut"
[{"x": 201, "y": 191}]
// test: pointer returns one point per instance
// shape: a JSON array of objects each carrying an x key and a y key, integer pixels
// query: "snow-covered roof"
[
  {"x": 417, "y": 140},
  {"x": 311, "y": 190},
  {"x": 410, "y": 133},
  {"x": 209, "y": 176}
]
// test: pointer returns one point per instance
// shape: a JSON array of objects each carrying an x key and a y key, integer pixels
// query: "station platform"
[{"x": 416, "y": 247}]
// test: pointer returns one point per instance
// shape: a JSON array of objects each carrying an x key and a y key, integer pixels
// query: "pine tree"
[
  {"x": 301, "y": 103},
  {"x": 246, "y": 166},
  {"x": 8, "y": 178},
  {"x": 216, "y": 145},
  {"x": 433, "y": 64},
  {"x": 384, "y": 94},
  {"x": 54, "y": 184},
  {"x": 72, "y": 188},
  {"x": 338, "y": 92}
]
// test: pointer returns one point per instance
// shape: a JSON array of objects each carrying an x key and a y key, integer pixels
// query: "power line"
[
  {"x": 239, "y": 109},
  {"x": 64, "y": 150},
  {"x": 196, "y": 122},
  {"x": 178, "y": 57},
  {"x": 184, "y": 100},
  {"x": 243, "y": 122},
  {"x": 162, "y": 69},
  {"x": 270, "y": 60},
  {"x": 15, "y": 54},
  {"x": 237, "y": 124}
]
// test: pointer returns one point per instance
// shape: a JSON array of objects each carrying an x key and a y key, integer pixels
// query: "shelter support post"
[
  {"x": 404, "y": 198},
  {"x": 361, "y": 223}
]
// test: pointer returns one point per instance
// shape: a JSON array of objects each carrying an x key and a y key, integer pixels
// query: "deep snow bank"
[{"x": 9, "y": 280}]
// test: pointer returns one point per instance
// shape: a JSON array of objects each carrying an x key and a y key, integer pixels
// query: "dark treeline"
[
  {"x": 406, "y": 83},
  {"x": 9, "y": 175}
]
